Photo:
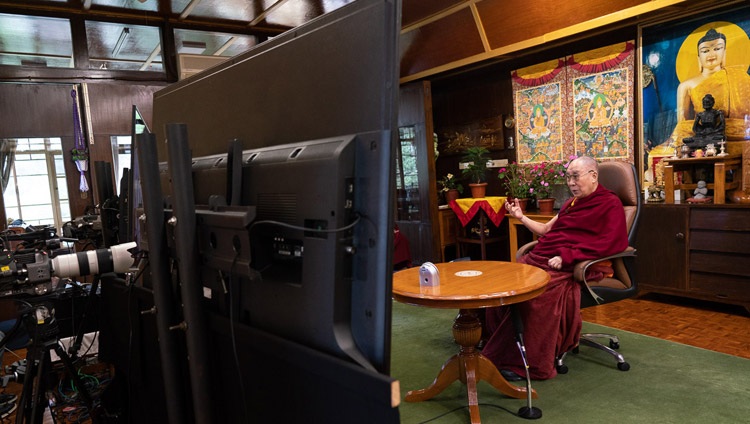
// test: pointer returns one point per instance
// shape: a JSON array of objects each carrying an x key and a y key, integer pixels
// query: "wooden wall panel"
[
  {"x": 508, "y": 22},
  {"x": 111, "y": 106},
  {"x": 415, "y": 10},
  {"x": 36, "y": 110},
  {"x": 446, "y": 40},
  {"x": 434, "y": 41}
]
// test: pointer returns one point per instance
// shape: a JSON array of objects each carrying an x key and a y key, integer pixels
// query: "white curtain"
[{"x": 7, "y": 155}]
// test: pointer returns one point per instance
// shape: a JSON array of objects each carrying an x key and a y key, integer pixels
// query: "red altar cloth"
[{"x": 466, "y": 209}]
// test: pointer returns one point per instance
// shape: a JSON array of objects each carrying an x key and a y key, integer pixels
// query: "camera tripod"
[{"x": 43, "y": 331}]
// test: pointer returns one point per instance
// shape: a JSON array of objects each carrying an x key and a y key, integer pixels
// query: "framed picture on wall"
[{"x": 681, "y": 62}]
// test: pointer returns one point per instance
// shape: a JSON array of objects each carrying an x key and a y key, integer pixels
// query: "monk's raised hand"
[{"x": 514, "y": 209}]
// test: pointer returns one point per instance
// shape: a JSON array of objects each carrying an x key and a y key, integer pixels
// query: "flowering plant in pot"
[
  {"x": 450, "y": 187},
  {"x": 518, "y": 183},
  {"x": 546, "y": 175},
  {"x": 476, "y": 170},
  {"x": 517, "y": 180}
]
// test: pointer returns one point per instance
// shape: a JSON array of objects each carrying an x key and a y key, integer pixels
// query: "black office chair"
[{"x": 622, "y": 179}]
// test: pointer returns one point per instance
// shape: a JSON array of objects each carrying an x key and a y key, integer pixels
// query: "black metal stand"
[
  {"x": 43, "y": 330},
  {"x": 78, "y": 341},
  {"x": 529, "y": 412}
]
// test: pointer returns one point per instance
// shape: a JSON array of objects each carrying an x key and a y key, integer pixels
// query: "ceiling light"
[
  {"x": 120, "y": 41},
  {"x": 193, "y": 47}
]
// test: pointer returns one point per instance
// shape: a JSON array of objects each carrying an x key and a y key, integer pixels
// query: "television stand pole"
[{"x": 188, "y": 259}]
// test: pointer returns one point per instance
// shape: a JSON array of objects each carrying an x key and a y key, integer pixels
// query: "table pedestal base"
[{"x": 469, "y": 366}]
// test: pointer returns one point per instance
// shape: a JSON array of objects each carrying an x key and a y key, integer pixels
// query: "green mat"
[{"x": 667, "y": 383}]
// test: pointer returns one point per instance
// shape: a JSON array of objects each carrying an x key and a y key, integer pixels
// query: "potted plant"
[
  {"x": 81, "y": 158},
  {"x": 518, "y": 182},
  {"x": 450, "y": 187},
  {"x": 476, "y": 170},
  {"x": 79, "y": 154},
  {"x": 545, "y": 177}
]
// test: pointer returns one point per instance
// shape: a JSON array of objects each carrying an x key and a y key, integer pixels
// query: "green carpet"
[{"x": 667, "y": 383}]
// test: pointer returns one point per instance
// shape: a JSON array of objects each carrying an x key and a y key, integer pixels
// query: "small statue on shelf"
[
  {"x": 708, "y": 126},
  {"x": 710, "y": 150},
  {"x": 701, "y": 191},
  {"x": 700, "y": 194},
  {"x": 655, "y": 193}
]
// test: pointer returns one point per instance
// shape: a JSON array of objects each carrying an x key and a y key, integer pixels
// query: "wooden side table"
[
  {"x": 513, "y": 224},
  {"x": 448, "y": 223},
  {"x": 721, "y": 166},
  {"x": 487, "y": 209},
  {"x": 470, "y": 286}
]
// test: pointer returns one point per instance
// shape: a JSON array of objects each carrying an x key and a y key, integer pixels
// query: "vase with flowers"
[
  {"x": 546, "y": 176},
  {"x": 450, "y": 187},
  {"x": 518, "y": 183}
]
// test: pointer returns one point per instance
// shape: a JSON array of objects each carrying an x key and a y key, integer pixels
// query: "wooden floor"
[
  {"x": 712, "y": 326},
  {"x": 708, "y": 325}
]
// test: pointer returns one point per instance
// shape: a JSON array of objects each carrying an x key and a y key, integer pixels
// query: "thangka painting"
[
  {"x": 590, "y": 102},
  {"x": 538, "y": 98},
  {"x": 602, "y": 82},
  {"x": 681, "y": 62}
]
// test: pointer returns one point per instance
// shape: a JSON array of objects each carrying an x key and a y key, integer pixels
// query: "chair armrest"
[
  {"x": 580, "y": 269},
  {"x": 525, "y": 248}
]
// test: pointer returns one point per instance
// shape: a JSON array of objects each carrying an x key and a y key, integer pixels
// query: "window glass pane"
[
  {"x": 65, "y": 210},
  {"x": 62, "y": 189},
  {"x": 37, "y": 214},
  {"x": 121, "y": 145},
  {"x": 407, "y": 178},
  {"x": 30, "y": 184},
  {"x": 124, "y": 46},
  {"x": 34, "y": 189},
  {"x": 152, "y": 6},
  {"x": 35, "y": 41},
  {"x": 212, "y": 43}
]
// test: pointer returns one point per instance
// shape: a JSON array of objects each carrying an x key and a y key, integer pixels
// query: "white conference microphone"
[{"x": 428, "y": 275}]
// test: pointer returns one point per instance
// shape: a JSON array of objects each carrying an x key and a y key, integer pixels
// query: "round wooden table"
[{"x": 468, "y": 286}]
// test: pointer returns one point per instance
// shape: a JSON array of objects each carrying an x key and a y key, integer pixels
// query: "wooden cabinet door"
[{"x": 662, "y": 248}]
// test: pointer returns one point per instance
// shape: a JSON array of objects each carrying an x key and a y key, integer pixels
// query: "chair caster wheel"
[
  {"x": 614, "y": 345},
  {"x": 562, "y": 369},
  {"x": 623, "y": 366},
  {"x": 530, "y": 413}
]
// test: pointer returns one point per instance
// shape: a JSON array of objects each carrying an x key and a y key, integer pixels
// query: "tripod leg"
[
  {"x": 39, "y": 392},
  {"x": 31, "y": 381}
]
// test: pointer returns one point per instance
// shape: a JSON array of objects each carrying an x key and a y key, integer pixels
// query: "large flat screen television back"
[{"x": 335, "y": 78}]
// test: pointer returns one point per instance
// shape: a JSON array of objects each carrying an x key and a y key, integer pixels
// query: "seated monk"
[
  {"x": 589, "y": 225},
  {"x": 708, "y": 127}
]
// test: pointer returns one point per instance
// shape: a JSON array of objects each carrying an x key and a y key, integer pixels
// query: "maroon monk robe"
[{"x": 587, "y": 228}]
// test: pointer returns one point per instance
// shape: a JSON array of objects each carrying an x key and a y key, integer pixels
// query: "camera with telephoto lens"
[{"x": 39, "y": 272}]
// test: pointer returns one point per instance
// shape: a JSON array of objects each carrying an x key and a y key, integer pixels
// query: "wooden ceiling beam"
[{"x": 141, "y": 17}]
